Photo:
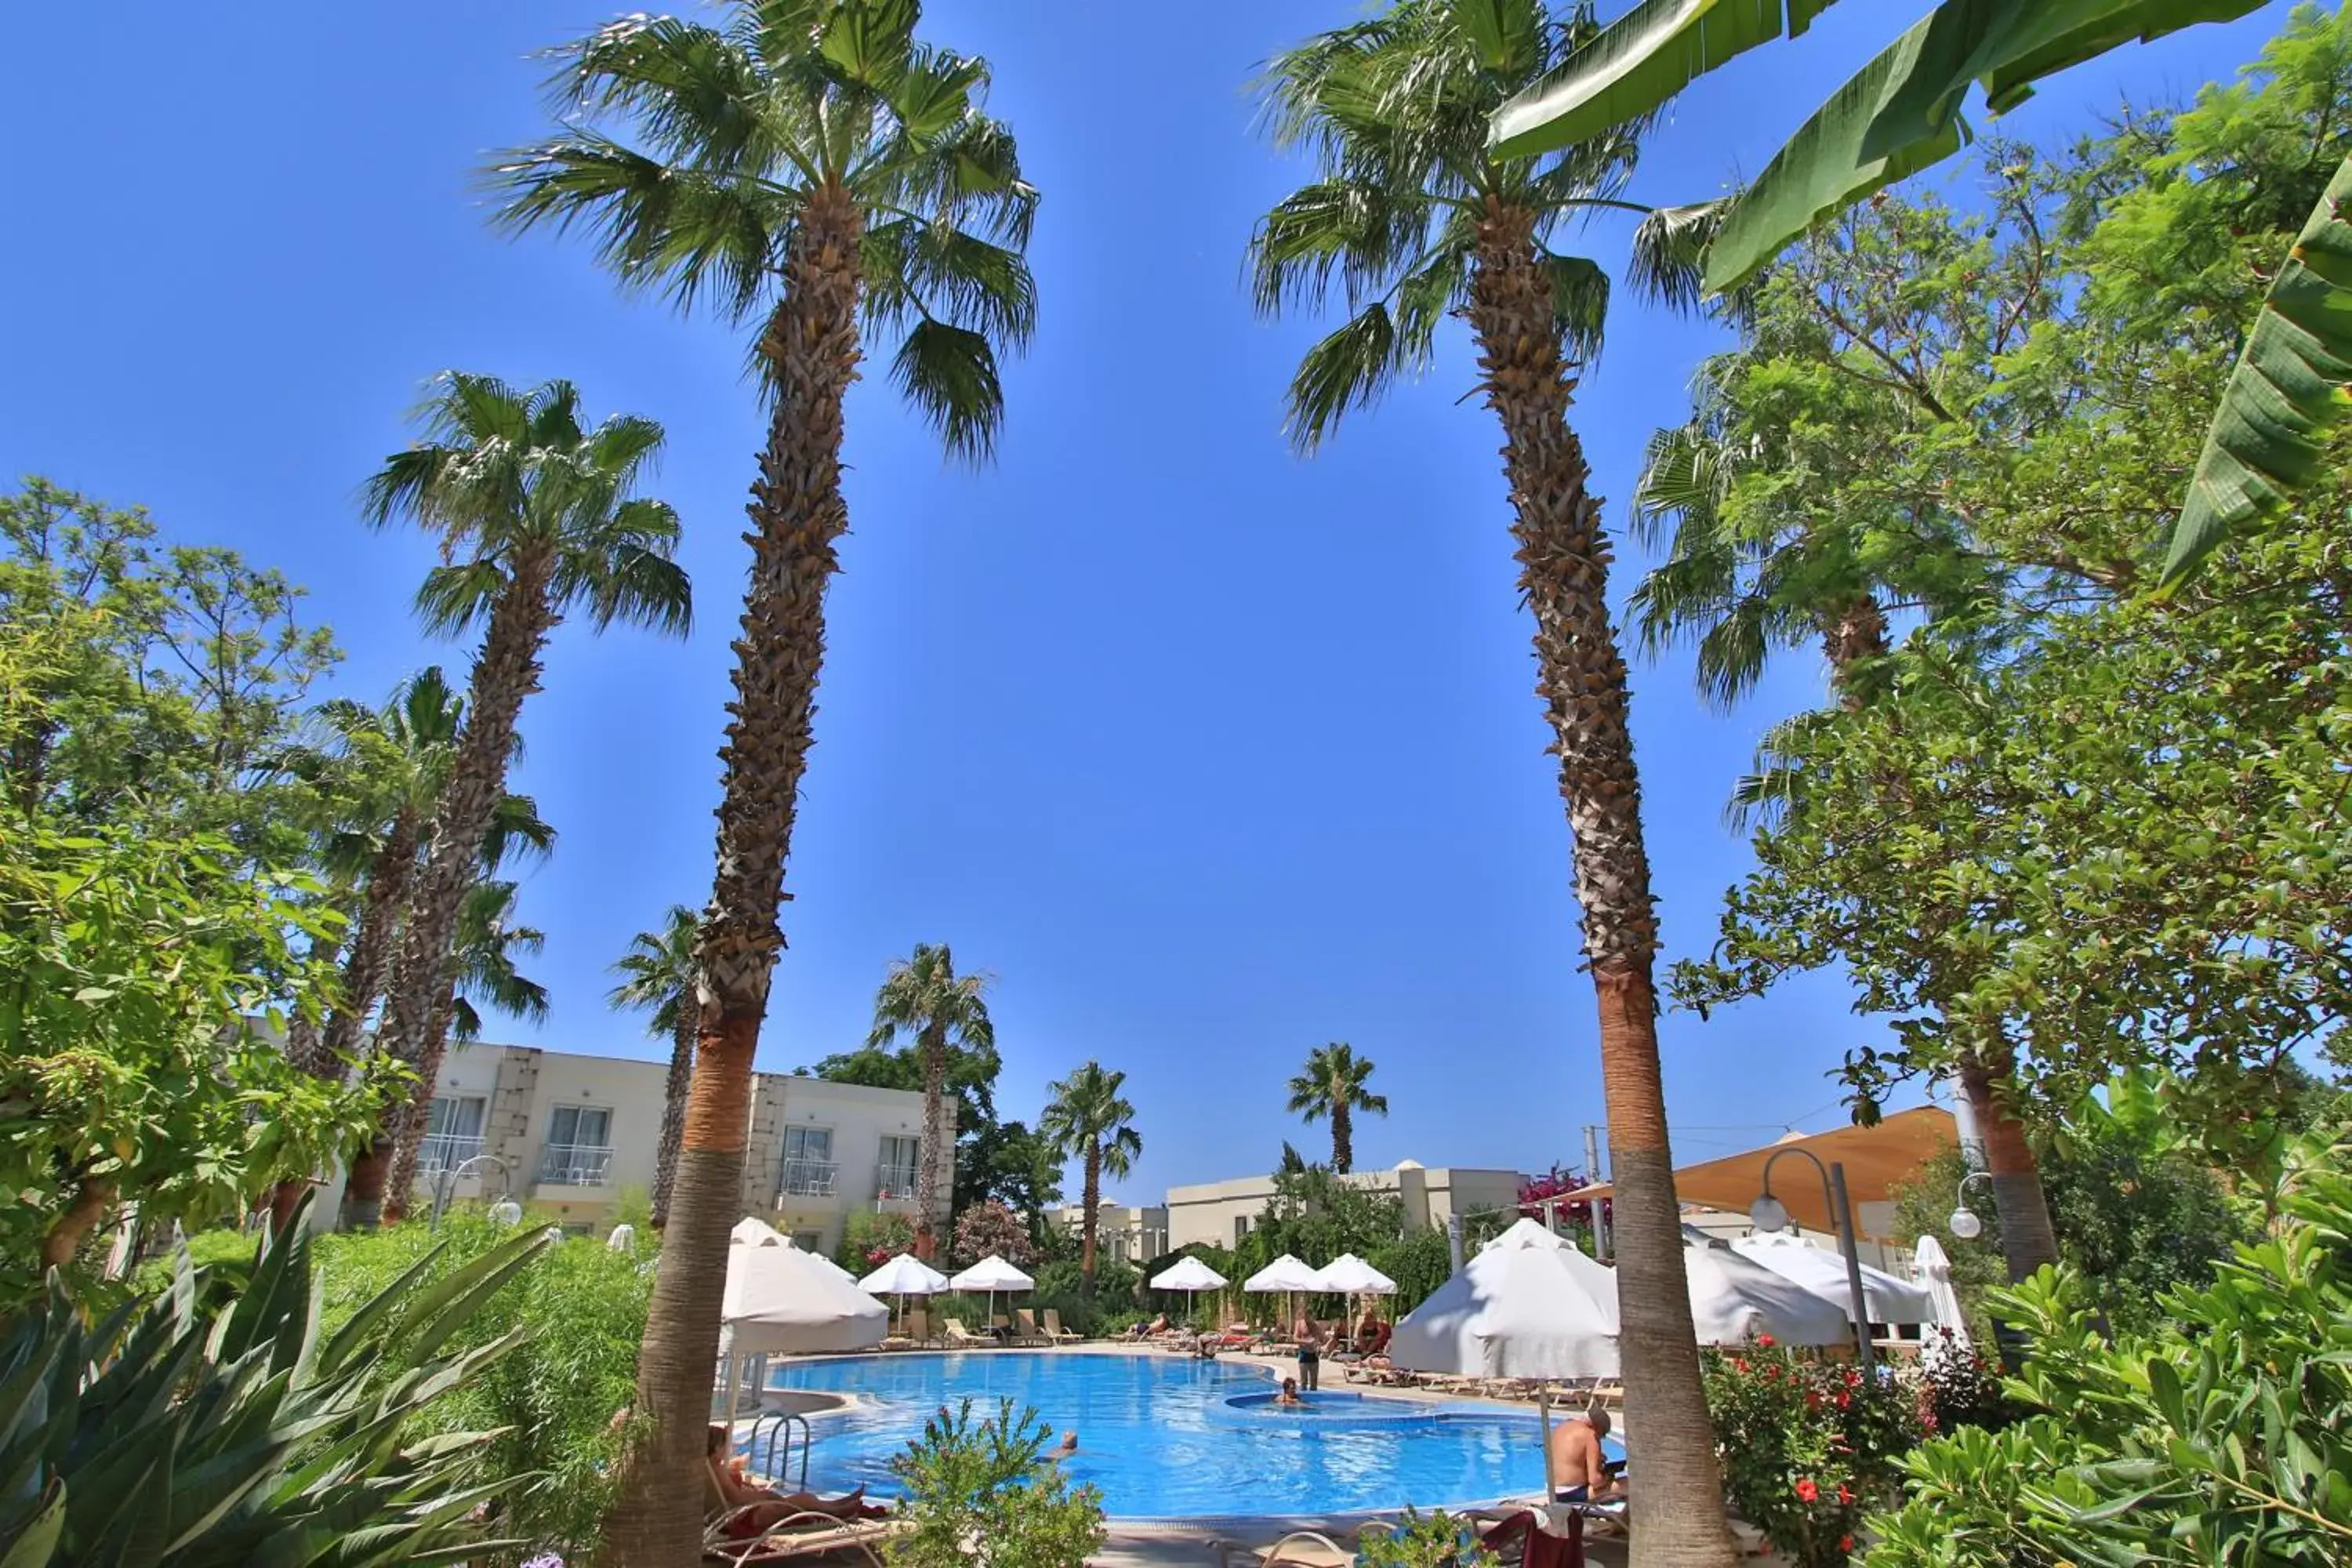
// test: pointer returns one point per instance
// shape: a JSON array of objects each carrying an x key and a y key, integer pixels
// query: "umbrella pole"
[{"x": 1543, "y": 1410}]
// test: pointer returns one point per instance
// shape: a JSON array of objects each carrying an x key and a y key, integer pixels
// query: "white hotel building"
[{"x": 568, "y": 1133}]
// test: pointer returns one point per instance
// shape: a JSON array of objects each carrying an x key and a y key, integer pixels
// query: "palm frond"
[
  {"x": 949, "y": 374},
  {"x": 1669, "y": 255},
  {"x": 696, "y": 93},
  {"x": 1579, "y": 304},
  {"x": 452, "y": 597},
  {"x": 1348, "y": 370},
  {"x": 1350, "y": 230},
  {"x": 914, "y": 268},
  {"x": 517, "y": 832}
]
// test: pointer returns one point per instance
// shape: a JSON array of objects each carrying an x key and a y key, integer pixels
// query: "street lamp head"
[
  {"x": 505, "y": 1211},
  {"x": 1965, "y": 1225},
  {"x": 1768, "y": 1214}
]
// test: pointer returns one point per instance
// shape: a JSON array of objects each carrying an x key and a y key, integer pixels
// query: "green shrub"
[
  {"x": 1808, "y": 1445},
  {"x": 1417, "y": 1539},
  {"x": 984, "y": 1492},
  {"x": 2224, "y": 1436},
  {"x": 870, "y": 1239},
  {"x": 553, "y": 1400},
  {"x": 250, "y": 1434}
]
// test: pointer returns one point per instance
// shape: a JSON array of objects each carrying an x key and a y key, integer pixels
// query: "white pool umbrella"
[
  {"x": 1935, "y": 1273},
  {"x": 1524, "y": 1232},
  {"x": 1887, "y": 1299},
  {"x": 1348, "y": 1274},
  {"x": 992, "y": 1274},
  {"x": 904, "y": 1276},
  {"x": 754, "y": 1231},
  {"x": 782, "y": 1300},
  {"x": 1286, "y": 1276},
  {"x": 1522, "y": 1309},
  {"x": 1735, "y": 1299},
  {"x": 1190, "y": 1276}
]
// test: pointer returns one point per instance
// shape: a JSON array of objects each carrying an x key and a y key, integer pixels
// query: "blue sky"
[{"x": 1208, "y": 753}]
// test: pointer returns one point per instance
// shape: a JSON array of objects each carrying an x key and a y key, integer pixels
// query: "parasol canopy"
[
  {"x": 1735, "y": 1299},
  {"x": 1887, "y": 1299},
  {"x": 1349, "y": 1275},
  {"x": 905, "y": 1274},
  {"x": 1524, "y": 1309}
]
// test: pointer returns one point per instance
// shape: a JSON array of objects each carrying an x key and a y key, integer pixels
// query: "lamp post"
[
  {"x": 1768, "y": 1214},
  {"x": 451, "y": 1174},
  {"x": 1964, "y": 1223}
]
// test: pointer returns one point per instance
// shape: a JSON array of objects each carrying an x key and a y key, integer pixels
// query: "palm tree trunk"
[
  {"x": 798, "y": 518},
  {"x": 305, "y": 1034},
  {"x": 408, "y": 1119},
  {"x": 1343, "y": 1138},
  {"x": 673, "y": 1093},
  {"x": 1090, "y": 1204},
  {"x": 1678, "y": 1516},
  {"x": 935, "y": 1098},
  {"x": 2026, "y": 1239},
  {"x": 506, "y": 672},
  {"x": 363, "y": 1182},
  {"x": 364, "y": 970}
]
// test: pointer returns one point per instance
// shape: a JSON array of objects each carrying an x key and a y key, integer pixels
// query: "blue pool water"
[{"x": 1169, "y": 1436}]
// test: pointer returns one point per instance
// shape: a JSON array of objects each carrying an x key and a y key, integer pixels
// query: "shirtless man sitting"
[
  {"x": 1579, "y": 1470},
  {"x": 753, "y": 1510}
]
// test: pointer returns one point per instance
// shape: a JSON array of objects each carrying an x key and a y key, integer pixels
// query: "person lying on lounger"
[
  {"x": 1579, "y": 1470},
  {"x": 753, "y": 1510},
  {"x": 1158, "y": 1326}
]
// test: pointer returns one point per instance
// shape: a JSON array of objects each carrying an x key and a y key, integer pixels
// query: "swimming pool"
[{"x": 1171, "y": 1436}]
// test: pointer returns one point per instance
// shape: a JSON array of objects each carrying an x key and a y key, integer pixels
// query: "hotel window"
[
  {"x": 809, "y": 1171},
  {"x": 899, "y": 1173},
  {"x": 453, "y": 1133},
  {"x": 579, "y": 1152}
]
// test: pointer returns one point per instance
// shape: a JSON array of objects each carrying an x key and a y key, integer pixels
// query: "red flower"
[
  {"x": 1844, "y": 1400},
  {"x": 1764, "y": 1340},
  {"x": 1845, "y": 1495},
  {"x": 1739, "y": 1364},
  {"x": 1807, "y": 1492},
  {"x": 1852, "y": 1378},
  {"x": 1845, "y": 1543}
]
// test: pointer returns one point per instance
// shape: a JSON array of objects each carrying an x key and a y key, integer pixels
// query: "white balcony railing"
[
  {"x": 575, "y": 1164},
  {"x": 897, "y": 1182},
  {"x": 439, "y": 1151},
  {"x": 809, "y": 1179}
]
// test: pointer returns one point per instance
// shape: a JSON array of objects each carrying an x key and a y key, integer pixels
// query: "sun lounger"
[
  {"x": 1024, "y": 1328},
  {"x": 959, "y": 1337},
  {"x": 801, "y": 1536},
  {"x": 1055, "y": 1333},
  {"x": 1306, "y": 1548}
]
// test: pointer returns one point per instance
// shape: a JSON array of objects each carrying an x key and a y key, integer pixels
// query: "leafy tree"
[
  {"x": 1008, "y": 1163},
  {"x": 1315, "y": 1215},
  {"x": 1414, "y": 216},
  {"x": 142, "y": 978},
  {"x": 1333, "y": 1086},
  {"x": 870, "y": 1239},
  {"x": 657, "y": 978},
  {"x": 538, "y": 518},
  {"x": 991, "y": 1228},
  {"x": 1087, "y": 1119},
  {"x": 172, "y": 683},
  {"x": 923, "y": 996},
  {"x": 809, "y": 166}
]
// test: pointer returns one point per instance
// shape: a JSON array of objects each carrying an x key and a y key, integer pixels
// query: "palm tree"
[
  {"x": 1087, "y": 1119},
  {"x": 924, "y": 997},
  {"x": 1333, "y": 1086},
  {"x": 538, "y": 520},
  {"x": 1413, "y": 219},
  {"x": 657, "y": 978},
  {"x": 481, "y": 972},
  {"x": 809, "y": 167}
]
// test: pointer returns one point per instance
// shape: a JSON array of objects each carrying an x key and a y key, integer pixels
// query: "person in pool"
[
  {"x": 752, "y": 1509},
  {"x": 1290, "y": 1394},
  {"x": 1579, "y": 1470}
]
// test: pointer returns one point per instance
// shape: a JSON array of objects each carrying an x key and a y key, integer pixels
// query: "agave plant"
[{"x": 161, "y": 1435}]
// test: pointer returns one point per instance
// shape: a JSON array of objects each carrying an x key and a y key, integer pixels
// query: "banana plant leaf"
[{"x": 2268, "y": 438}]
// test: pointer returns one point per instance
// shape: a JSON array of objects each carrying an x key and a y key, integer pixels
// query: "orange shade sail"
[{"x": 1876, "y": 1160}]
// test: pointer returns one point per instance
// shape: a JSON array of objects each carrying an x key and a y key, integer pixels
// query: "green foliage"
[
  {"x": 579, "y": 1310},
  {"x": 1013, "y": 1166},
  {"x": 223, "y": 1260},
  {"x": 2219, "y": 1439},
  {"x": 991, "y": 1228},
  {"x": 1418, "y": 1264},
  {"x": 1808, "y": 1445},
  {"x": 1314, "y": 1215},
  {"x": 1418, "y": 1539},
  {"x": 175, "y": 1436},
  {"x": 1898, "y": 114},
  {"x": 869, "y": 1238},
  {"x": 1117, "y": 1289},
  {"x": 131, "y": 963},
  {"x": 983, "y": 1492},
  {"x": 2135, "y": 1210}
]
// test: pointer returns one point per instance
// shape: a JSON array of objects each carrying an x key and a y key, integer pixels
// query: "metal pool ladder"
[{"x": 779, "y": 1427}]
